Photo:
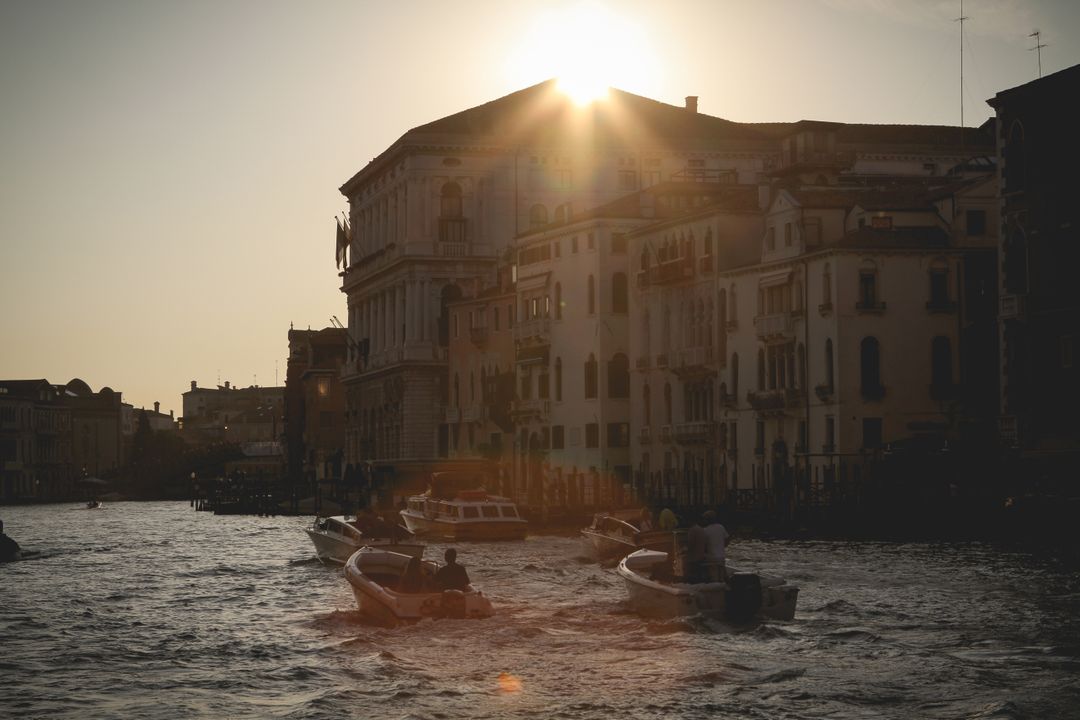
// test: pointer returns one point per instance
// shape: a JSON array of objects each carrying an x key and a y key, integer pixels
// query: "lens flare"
[{"x": 509, "y": 683}]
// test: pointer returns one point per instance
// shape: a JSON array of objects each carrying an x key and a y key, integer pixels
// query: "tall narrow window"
[
  {"x": 735, "y": 376},
  {"x": 590, "y": 377},
  {"x": 619, "y": 301},
  {"x": 619, "y": 376},
  {"x": 647, "y": 404},
  {"x": 558, "y": 379},
  {"x": 451, "y": 221},
  {"x": 870, "y": 368},
  {"x": 760, "y": 369},
  {"x": 826, "y": 286},
  {"x": 667, "y": 403},
  {"x": 558, "y": 301},
  {"x": 829, "y": 365},
  {"x": 537, "y": 216},
  {"x": 592, "y": 295},
  {"x": 941, "y": 363}
]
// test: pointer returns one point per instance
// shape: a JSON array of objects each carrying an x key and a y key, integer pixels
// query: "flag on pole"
[{"x": 341, "y": 245}]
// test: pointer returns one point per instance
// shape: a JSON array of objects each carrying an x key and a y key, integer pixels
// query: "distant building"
[
  {"x": 1038, "y": 153},
  {"x": 96, "y": 423},
  {"x": 314, "y": 412},
  {"x": 158, "y": 421},
  {"x": 231, "y": 414},
  {"x": 35, "y": 442}
]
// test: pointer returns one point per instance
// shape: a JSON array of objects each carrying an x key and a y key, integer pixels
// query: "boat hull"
[
  {"x": 772, "y": 597},
  {"x": 371, "y": 572},
  {"x": 455, "y": 530},
  {"x": 330, "y": 548}
]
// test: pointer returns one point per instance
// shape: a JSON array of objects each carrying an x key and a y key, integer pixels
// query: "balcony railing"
[
  {"x": 695, "y": 433},
  {"x": 531, "y": 408},
  {"x": 665, "y": 433},
  {"x": 1008, "y": 430},
  {"x": 940, "y": 306},
  {"x": 452, "y": 415},
  {"x": 728, "y": 400},
  {"x": 776, "y": 400},
  {"x": 671, "y": 271},
  {"x": 695, "y": 359},
  {"x": 645, "y": 435},
  {"x": 774, "y": 325},
  {"x": 473, "y": 413},
  {"x": 873, "y": 392},
  {"x": 824, "y": 392},
  {"x": 870, "y": 306},
  {"x": 642, "y": 362},
  {"x": 537, "y": 330},
  {"x": 453, "y": 249},
  {"x": 825, "y": 308},
  {"x": 662, "y": 360}
]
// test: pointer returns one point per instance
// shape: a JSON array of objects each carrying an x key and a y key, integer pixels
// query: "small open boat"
[
  {"x": 336, "y": 538},
  {"x": 375, "y": 576},
  {"x": 613, "y": 537},
  {"x": 93, "y": 504},
  {"x": 655, "y": 591}
]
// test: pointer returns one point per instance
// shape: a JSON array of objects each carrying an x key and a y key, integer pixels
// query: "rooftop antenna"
[
  {"x": 275, "y": 373},
  {"x": 961, "y": 20},
  {"x": 1038, "y": 47}
]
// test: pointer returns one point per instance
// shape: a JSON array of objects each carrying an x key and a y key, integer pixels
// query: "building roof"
[
  {"x": 895, "y": 239},
  {"x": 1065, "y": 81}
]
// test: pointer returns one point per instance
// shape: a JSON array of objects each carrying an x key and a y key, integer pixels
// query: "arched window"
[
  {"x": 826, "y": 286},
  {"x": 457, "y": 391},
  {"x": 647, "y": 404},
  {"x": 558, "y": 379},
  {"x": 472, "y": 387},
  {"x": 590, "y": 377},
  {"x": 829, "y": 382},
  {"x": 760, "y": 369},
  {"x": 721, "y": 307},
  {"x": 801, "y": 378},
  {"x": 667, "y": 403},
  {"x": 619, "y": 295},
  {"x": 560, "y": 213},
  {"x": 941, "y": 363},
  {"x": 870, "y": 368},
  {"x": 735, "y": 376},
  {"x": 868, "y": 285},
  {"x": 708, "y": 241},
  {"x": 645, "y": 259},
  {"x": 558, "y": 301},
  {"x": 537, "y": 216},
  {"x": 618, "y": 378},
  {"x": 709, "y": 323},
  {"x": 450, "y": 201},
  {"x": 646, "y": 330},
  {"x": 592, "y": 295}
]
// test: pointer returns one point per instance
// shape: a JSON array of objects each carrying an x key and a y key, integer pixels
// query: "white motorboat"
[
  {"x": 613, "y": 537},
  {"x": 448, "y": 511},
  {"x": 336, "y": 538},
  {"x": 654, "y": 592},
  {"x": 375, "y": 576}
]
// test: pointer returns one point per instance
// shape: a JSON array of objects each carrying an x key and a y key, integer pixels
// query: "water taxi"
[
  {"x": 611, "y": 536},
  {"x": 450, "y": 511},
  {"x": 376, "y": 575}
]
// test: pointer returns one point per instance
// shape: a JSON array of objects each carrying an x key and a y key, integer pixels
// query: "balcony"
[
  {"x": 449, "y": 249},
  {"x": 479, "y": 336},
  {"x": 662, "y": 360},
  {"x": 533, "y": 332},
  {"x": 1008, "y": 431},
  {"x": 774, "y": 326},
  {"x": 531, "y": 408},
  {"x": 473, "y": 413},
  {"x": 452, "y": 415},
  {"x": 824, "y": 392},
  {"x": 694, "y": 361},
  {"x": 671, "y": 272},
  {"x": 828, "y": 448},
  {"x": 776, "y": 401},
  {"x": 452, "y": 230},
  {"x": 665, "y": 433},
  {"x": 728, "y": 400},
  {"x": 645, "y": 436},
  {"x": 869, "y": 306},
  {"x": 642, "y": 363},
  {"x": 643, "y": 279},
  {"x": 824, "y": 308},
  {"x": 695, "y": 433},
  {"x": 1013, "y": 307}
]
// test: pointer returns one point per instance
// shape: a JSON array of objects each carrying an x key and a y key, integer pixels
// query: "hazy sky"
[{"x": 169, "y": 170}]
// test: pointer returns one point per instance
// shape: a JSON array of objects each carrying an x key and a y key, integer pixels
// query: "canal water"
[{"x": 151, "y": 610}]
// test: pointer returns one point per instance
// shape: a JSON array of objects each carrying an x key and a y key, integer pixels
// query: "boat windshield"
[
  {"x": 509, "y": 511},
  {"x": 471, "y": 511},
  {"x": 490, "y": 511}
]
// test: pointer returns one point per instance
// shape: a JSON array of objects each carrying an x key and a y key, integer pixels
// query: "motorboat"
[
  {"x": 93, "y": 504},
  {"x": 375, "y": 576},
  {"x": 655, "y": 590},
  {"x": 614, "y": 537},
  {"x": 337, "y": 537},
  {"x": 457, "y": 507}
]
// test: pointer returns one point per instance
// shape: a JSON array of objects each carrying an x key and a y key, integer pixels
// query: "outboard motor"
[
  {"x": 743, "y": 598},
  {"x": 453, "y": 603}
]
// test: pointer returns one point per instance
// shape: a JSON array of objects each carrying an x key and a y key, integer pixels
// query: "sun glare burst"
[{"x": 588, "y": 48}]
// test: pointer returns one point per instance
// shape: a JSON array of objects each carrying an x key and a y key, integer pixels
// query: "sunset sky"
[{"x": 169, "y": 170}]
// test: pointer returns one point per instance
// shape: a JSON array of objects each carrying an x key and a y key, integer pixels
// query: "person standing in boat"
[
  {"x": 668, "y": 519},
  {"x": 9, "y": 549},
  {"x": 716, "y": 542},
  {"x": 645, "y": 523},
  {"x": 694, "y": 564},
  {"x": 452, "y": 576}
]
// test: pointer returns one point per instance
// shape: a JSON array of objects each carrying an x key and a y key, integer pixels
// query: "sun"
[{"x": 589, "y": 48}]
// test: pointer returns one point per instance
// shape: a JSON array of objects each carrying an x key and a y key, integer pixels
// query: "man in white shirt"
[{"x": 716, "y": 541}]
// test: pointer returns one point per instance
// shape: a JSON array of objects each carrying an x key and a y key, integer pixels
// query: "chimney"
[
  {"x": 171, "y": 415},
  {"x": 193, "y": 385},
  {"x": 157, "y": 408},
  {"x": 226, "y": 384},
  {"x": 691, "y": 103}
]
